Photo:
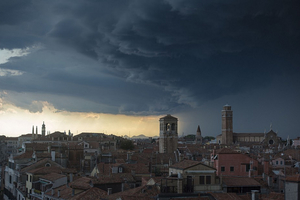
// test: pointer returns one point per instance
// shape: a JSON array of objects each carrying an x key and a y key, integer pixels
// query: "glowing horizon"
[{"x": 14, "y": 125}]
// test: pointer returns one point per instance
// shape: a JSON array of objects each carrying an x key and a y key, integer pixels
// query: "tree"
[
  {"x": 126, "y": 144},
  {"x": 209, "y": 138}
]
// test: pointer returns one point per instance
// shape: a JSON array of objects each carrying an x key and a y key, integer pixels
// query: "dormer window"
[{"x": 47, "y": 165}]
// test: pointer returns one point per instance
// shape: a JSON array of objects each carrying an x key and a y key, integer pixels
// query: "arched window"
[
  {"x": 173, "y": 127},
  {"x": 168, "y": 127},
  {"x": 47, "y": 165}
]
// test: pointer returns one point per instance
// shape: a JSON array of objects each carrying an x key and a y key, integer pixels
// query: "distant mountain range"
[{"x": 139, "y": 137}]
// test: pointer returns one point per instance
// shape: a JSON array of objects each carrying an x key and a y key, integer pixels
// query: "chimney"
[
  {"x": 109, "y": 191},
  {"x": 73, "y": 192},
  {"x": 58, "y": 193},
  {"x": 53, "y": 155},
  {"x": 254, "y": 195}
]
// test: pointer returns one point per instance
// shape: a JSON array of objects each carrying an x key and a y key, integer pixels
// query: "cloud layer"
[{"x": 144, "y": 57}]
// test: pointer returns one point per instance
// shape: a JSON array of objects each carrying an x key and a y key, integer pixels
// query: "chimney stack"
[{"x": 53, "y": 155}]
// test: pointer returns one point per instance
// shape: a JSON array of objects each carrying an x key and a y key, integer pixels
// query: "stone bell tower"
[
  {"x": 168, "y": 134},
  {"x": 43, "y": 129},
  {"x": 227, "y": 125}
]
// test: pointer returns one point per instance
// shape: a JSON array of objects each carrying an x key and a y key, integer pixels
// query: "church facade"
[{"x": 229, "y": 137}]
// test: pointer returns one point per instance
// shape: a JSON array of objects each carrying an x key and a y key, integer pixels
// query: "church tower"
[
  {"x": 198, "y": 136},
  {"x": 43, "y": 129},
  {"x": 168, "y": 134},
  {"x": 227, "y": 125}
]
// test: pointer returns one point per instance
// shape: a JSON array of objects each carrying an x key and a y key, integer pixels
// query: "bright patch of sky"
[
  {"x": 15, "y": 121},
  {"x": 6, "y": 54}
]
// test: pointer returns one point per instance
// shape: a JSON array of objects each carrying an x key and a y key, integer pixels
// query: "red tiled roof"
[
  {"x": 82, "y": 183},
  {"x": 65, "y": 192},
  {"x": 185, "y": 164},
  {"x": 114, "y": 178},
  {"x": 120, "y": 160},
  {"x": 272, "y": 196},
  {"x": 225, "y": 196},
  {"x": 52, "y": 176},
  {"x": 46, "y": 170},
  {"x": 90, "y": 194},
  {"x": 226, "y": 151},
  {"x": 24, "y": 155},
  {"x": 295, "y": 178},
  {"x": 39, "y": 164},
  {"x": 239, "y": 181},
  {"x": 142, "y": 192}
]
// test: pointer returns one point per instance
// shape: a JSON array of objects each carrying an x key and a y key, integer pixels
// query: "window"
[
  {"x": 30, "y": 178},
  {"x": 173, "y": 127},
  {"x": 247, "y": 167},
  {"x": 222, "y": 169},
  {"x": 208, "y": 179},
  {"x": 281, "y": 162},
  {"x": 10, "y": 179},
  {"x": 232, "y": 169},
  {"x": 47, "y": 165},
  {"x": 120, "y": 169},
  {"x": 271, "y": 141},
  {"x": 201, "y": 180},
  {"x": 276, "y": 162}
]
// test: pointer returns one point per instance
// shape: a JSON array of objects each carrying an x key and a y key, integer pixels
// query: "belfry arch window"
[
  {"x": 173, "y": 127},
  {"x": 168, "y": 127}
]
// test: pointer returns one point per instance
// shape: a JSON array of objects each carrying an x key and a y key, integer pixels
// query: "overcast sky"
[{"x": 117, "y": 66}]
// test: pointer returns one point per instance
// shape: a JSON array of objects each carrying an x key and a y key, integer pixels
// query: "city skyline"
[{"x": 118, "y": 66}]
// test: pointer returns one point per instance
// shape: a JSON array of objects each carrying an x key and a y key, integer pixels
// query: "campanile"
[{"x": 227, "y": 125}]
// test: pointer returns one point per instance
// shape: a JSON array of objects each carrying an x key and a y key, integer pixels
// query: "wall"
[
  {"x": 238, "y": 161},
  {"x": 292, "y": 191}
]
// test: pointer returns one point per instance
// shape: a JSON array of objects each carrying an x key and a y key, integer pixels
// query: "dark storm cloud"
[{"x": 160, "y": 54}]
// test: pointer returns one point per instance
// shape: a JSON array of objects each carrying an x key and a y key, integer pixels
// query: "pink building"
[
  {"x": 296, "y": 142},
  {"x": 232, "y": 163}
]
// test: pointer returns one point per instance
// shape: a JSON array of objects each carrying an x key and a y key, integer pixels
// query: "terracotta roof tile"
[
  {"x": 295, "y": 178},
  {"x": 114, "y": 178},
  {"x": 39, "y": 164},
  {"x": 225, "y": 196},
  {"x": 52, "y": 176},
  {"x": 142, "y": 192},
  {"x": 185, "y": 164},
  {"x": 90, "y": 194},
  {"x": 46, "y": 170},
  {"x": 226, "y": 151},
  {"x": 239, "y": 181},
  {"x": 82, "y": 183},
  {"x": 24, "y": 155},
  {"x": 65, "y": 192}
]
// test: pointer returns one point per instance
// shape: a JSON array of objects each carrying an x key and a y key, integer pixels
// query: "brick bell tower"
[
  {"x": 227, "y": 125},
  {"x": 168, "y": 134}
]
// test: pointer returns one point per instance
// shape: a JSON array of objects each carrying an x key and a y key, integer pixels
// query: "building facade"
[{"x": 231, "y": 163}]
